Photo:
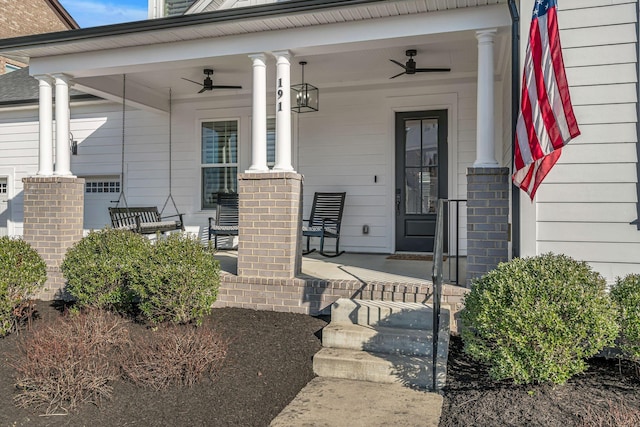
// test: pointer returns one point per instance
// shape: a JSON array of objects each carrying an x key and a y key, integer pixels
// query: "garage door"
[{"x": 101, "y": 192}]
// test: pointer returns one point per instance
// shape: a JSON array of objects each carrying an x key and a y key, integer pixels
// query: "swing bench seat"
[{"x": 144, "y": 220}]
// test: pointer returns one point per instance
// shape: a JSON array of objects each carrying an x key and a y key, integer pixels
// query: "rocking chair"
[{"x": 325, "y": 221}]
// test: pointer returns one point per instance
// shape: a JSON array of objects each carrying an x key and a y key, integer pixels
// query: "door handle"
[{"x": 398, "y": 200}]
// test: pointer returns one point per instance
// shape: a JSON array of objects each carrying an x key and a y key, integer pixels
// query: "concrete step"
[
  {"x": 411, "y": 371},
  {"x": 384, "y": 313},
  {"x": 378, "y": 339}
]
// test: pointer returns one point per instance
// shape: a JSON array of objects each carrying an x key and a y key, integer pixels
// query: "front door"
[{"x": 421, "y": 177}]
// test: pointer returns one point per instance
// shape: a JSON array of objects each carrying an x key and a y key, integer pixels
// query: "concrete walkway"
[{"x": 332, "y": 402}]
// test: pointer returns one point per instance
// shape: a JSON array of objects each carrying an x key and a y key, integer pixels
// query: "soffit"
[{"x": 219, "y": 24}]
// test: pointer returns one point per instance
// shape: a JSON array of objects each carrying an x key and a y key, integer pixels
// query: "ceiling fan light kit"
[
  {"x": 207, "y": 84},
  {"x": 305, "y": 97},
  {"x": 410, "y": 67}
]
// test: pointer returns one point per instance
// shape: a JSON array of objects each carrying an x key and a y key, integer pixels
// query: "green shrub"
[
  {"x": 102, "y": 268},
  {"x": 626, "y": 294},
  {"x": 182, "y": 282},
  {"x": 537, "y": 319},
  {"x": 22, "y": 274}
]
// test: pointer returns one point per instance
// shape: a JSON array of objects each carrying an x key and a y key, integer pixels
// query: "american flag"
[{"x": 546, "y": 122}]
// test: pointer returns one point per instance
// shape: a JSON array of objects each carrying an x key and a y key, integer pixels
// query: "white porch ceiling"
[{"x": 343, "y": 45}]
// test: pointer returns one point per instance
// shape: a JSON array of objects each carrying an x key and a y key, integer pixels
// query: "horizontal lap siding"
[
  {"x": 18, "y": 157},
  {"x": 350, "y": 142},
  {"x": 341, "y": 148},
  {"x": 588, "y": 202}
]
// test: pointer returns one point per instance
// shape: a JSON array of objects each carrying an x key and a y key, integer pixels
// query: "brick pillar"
[
  {"x": 53, "y": 218},
  {"x": 487, "y": 219},
  {"x": 270, "y": 219}
]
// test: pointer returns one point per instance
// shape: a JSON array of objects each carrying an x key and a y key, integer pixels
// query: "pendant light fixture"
[{"x": 304, "y": 96}]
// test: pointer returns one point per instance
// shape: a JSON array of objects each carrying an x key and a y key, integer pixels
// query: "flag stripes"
[{"x": 546, "y": 122}]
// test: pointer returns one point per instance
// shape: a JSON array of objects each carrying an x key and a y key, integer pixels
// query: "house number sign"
[{"x": 280, "y": 94}]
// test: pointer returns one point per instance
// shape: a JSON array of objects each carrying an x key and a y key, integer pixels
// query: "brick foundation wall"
[
  {"x": 270, "y": 219},
  {"x": 487, "y": 219},
  {"x": 314, "y": 296},
  {"x": 53, "y": 218}
]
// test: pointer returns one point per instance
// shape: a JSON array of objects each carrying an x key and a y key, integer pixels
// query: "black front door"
[{"x": 421, "y": 177}]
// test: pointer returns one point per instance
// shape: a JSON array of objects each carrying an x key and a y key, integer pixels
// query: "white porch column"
[
  {"x": 63, "y": 152},
  {"x": 45, "y": 147},
  {"x": 259, "y": 119},
  {"x": 485, "y": 133},
  {"x": 283, "y": 112}
]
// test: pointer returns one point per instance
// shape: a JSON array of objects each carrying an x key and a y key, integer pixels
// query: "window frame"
[{"x": 202, "y": 166}]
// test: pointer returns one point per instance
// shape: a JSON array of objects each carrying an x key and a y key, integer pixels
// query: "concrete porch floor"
[{"x": 362, "y": 267}]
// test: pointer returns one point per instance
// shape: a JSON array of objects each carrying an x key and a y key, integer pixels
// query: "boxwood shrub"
[
  {"x": 626, "y": 294},
  {"x": 102, "y": 268},
  {"x": 22, "y": 273},
  {"x": 182, "y": 283},
  {"x": 535, "y": 320}
]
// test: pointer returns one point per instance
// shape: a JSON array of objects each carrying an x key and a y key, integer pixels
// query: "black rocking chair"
[
  {"x": 325, "y": 221},
  {"x": 226, "y": 221}
]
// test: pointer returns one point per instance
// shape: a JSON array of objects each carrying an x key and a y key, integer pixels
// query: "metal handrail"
[{"x": 437, "y": 285}]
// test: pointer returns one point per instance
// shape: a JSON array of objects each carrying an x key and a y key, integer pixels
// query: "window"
[
  {"x": 177, "y": 7},
  {"x": 107, "y": 186},
  {"x": 4, "y": 189},
  {"x": 219, "y": 161},
  {"x": 271, "y": 142}
]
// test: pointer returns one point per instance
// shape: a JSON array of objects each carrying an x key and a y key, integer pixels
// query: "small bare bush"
[
  {"x": 615, "y": 415},
  {"x": 70, "y": 361},
  {"x": 174, "y": 356}
]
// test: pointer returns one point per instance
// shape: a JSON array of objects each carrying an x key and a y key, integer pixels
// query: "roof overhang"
[
  {"x": 228, "y": 22},
  {"x": 95, "y": 58}
]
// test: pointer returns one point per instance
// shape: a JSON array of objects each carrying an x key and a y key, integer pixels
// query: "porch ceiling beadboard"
[{"x": 269, "y": 17}]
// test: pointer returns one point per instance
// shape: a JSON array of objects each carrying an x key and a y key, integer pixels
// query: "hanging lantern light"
[{"x": 304, "y": 96}]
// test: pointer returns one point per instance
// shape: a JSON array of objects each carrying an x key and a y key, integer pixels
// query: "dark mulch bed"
[
  {"x": 269, "y": 360},
  {"x": 472, "y": 399}
]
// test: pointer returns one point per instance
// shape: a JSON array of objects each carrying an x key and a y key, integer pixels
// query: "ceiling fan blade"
[
  {"x": 198, "y": 83},
  {"x": 226, "y": 87},
  {"x": 432, "y": 70},
  {"x": 398, "y": 75},
  {"x": 204, "y": 89},
  {"x": 398, "y": 63}
]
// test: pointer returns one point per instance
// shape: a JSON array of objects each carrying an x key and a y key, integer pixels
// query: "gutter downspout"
[{"x": 515, "y": 108}]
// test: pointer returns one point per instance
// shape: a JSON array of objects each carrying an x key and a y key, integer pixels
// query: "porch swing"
[{"x": 144, "y": 219}]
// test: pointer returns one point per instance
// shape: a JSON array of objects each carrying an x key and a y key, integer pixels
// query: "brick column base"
[
  {"x": 270, "y": 219},
  {"x": 53, "y": 219},
  {"x": 487, "y": 219}
]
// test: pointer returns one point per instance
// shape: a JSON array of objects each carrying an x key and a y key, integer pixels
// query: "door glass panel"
[
  {"x": 412, "y": 190},
  {"x": 421, "y": 166},
  {"x": 429, "y": 189},
  {"x": 429, "y": 142},
  {"x": 413, "y": 144}
]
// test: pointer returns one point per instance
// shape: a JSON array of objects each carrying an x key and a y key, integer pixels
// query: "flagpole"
[{"x": 515, "y": 109}]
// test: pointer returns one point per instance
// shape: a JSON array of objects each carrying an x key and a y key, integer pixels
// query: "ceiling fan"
[
  {"x": 411, "y": 68},
  {"x": 208, "y": 82}
]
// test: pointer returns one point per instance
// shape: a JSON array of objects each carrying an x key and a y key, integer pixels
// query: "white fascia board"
[
  {"x": 317, "y": 39},
  {"x": 136, "y": 96}
]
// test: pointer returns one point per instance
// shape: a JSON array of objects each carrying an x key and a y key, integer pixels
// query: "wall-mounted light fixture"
[
  {"x": 73, "y": 145},
  {"x": 304, "y": 96}
]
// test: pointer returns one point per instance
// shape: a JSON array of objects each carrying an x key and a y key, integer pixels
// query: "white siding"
[
  {"x": 343, "y": 147},
  {"x": 18, "y": 159},
  {"x": 588, "y": 202}
]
